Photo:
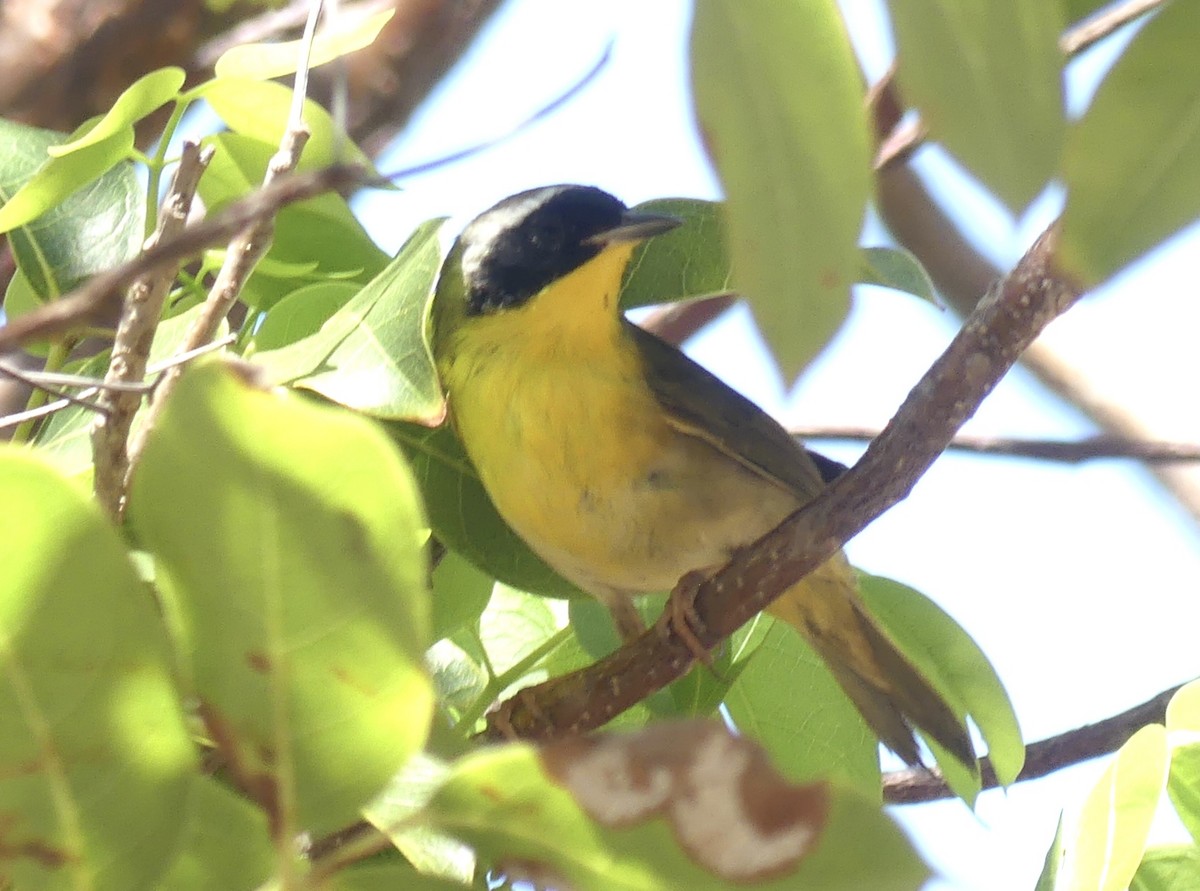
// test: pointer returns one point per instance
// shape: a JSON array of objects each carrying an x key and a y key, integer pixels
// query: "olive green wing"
[{"x": 700, "y": 404}]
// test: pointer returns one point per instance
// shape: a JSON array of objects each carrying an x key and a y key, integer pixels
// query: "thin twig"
[
  {"x": 991, "y": 340},
  {"x": 135, "y": 334},
  {"x": 1090, "y": 449},
  {"x": 912, "y": 786},
  {"x": 94, "y": 387},
  {"x": 248, "y": 247}
]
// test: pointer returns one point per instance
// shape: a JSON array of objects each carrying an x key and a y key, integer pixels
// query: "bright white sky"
[{"x": 1079, "y": 582}]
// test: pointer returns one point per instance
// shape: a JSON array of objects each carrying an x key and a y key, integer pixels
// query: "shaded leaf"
[
  {"x": 302, "y": 313},
  {"x": 79, "y": 215},
  {"x": 1048, "y": 878},
  {"x": 462, "y": 515},
  {"x": 795, "y": 161},
  {"x": 299, "y": 576},
  {"x": 898, "y": 269},
  {"x": 945, "y": 654},
  {"x": 787, "y": 699},
  {"x": 690, "y": 261},
  {"x": 95, "y": 754},
  {"x": 987, "y": 79},
  {"x": 1130, "y": 165}
]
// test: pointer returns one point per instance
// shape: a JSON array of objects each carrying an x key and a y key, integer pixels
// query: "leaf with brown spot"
[{"x": 675, "y": 805}]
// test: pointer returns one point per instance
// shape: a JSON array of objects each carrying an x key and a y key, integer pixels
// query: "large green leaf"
[
  {"x": 80, "y": 214},
  {"x": 94, "y": 750},
  {"x": 226, "y": 845},
  {"x": 690, "y": 261},
  {"x": 786, "y": 698},
  {"x": 945, "y": 654},
  {"x": 299, "y": 577},
  {"x": 779, "y": 99},
  {"x": 371, "y": 355},
  {"x": 1103, "y": 851},
  {"x": 1130, "y": 165},
  {"x": 690, "y": 824},
  {"x": 987, "y": 79}
]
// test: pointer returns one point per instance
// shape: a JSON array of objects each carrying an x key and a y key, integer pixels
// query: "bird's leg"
[
  {"x": 680, "y": 615},
  {"x": 624, "y": 615}
]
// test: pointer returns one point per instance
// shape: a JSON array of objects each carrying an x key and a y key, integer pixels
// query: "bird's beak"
[{"x": 636, "y": 226}]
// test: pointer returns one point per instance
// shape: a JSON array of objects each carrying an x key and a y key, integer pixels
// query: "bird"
[{"x": 620, "y": 461}]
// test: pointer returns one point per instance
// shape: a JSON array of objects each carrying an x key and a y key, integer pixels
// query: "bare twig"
[
  {"x": 1089, "y": 449},
  {"x": 991, "y": 340},
  {"x": 135, "y": 333},
  {"x": 1096, "y": 28},
  {"x": 95, "y": 386},
  {"x": 676, "y": 322},
  {"x": 1041, "y": 758}
]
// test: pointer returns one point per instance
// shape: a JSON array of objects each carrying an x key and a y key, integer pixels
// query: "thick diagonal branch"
[{"x": 1004, "y": 323}]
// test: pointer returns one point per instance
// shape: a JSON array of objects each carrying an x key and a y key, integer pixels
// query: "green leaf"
[
  {"x": 94, "y": 750},
  {"x": 1048, "y": 879},
  {"x": 260, "y": 109},
  {"x": 945, "y": 654},
  {"x": 299, "y": 576},
  {"x": 690, "y": 261},
  {"x": 787, "y": 699},
  {"x": 302, "y": 313},
  {"x": 61, "y": 232},
  {"x": 265, "y": 61},
  {"x": 898, "y": 269},
  {"x": 61, "y": 177},
  {"x": 1130, "y": 165},
  {"x": 371, "y": 355},
  {"x": 320, "y": 230},
  {"x": 1183, "y": 781},
  {"x": 1103, "y": 851},
  {"x": 1168, "y": 868},
  {"x": 460, "y": 594},
  {"x": 987, "y": 79},
  {"x": 462, "y": 515},
  {"x": 430, "y": 851},
  {"x": 226, "y": 843},
  {"x": 516, "y": 809},
  {"x": 19, "y": 299},
  {"x": 144, "y": 95},
  {"x": 795, "y": 160}
]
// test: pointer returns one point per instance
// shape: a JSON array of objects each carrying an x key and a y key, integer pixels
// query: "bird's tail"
[{"x": 889, "y": 692}]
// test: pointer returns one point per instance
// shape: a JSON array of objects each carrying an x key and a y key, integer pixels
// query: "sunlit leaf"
[
  {"x": 1105, "y": 848},
  {"x": 144, "y": 95},
  {"x": 264, "y": 61},
  {"x": 299, "y": 575},
  {"x": 94, "y": 749},
  {"x": 1168, "y": 868}
]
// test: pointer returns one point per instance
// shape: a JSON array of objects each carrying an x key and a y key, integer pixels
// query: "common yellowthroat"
[{"x": 621, "y": 462}]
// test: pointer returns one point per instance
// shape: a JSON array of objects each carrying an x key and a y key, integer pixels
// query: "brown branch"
[
  {"x": 135, "y": 333},
  {"x": 991, "y": 340},
  {"x": 101, "y": 294},
  {"x": 912, "y": 786},
  {"x": 1089, "y": 449},
  {"x": 1092, "y": 30},
  {"x": 677, "y": 322}
]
